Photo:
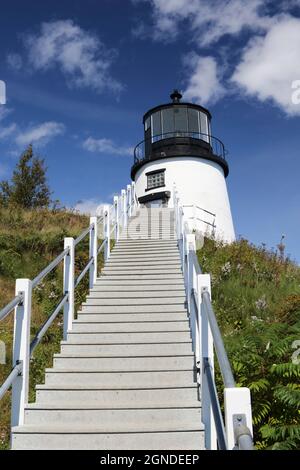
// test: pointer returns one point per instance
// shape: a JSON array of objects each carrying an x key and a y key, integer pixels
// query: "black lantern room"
[{"x": 178, "y": 129}]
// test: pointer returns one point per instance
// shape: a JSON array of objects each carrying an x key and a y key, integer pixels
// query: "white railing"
[
  {"x": 113, "y": 219},
  {"x": 237, "y": 431}
]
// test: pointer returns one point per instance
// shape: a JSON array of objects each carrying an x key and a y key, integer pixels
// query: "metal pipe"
[
  {"x": 10, "y": 306},
  {"x": 215, "y": 404},
  {"x": 102, "y": 246},
  {"x": 83, "y": 234},
  {"x": 38, "y": 337},
  {"x": 49, "y": 268},
  {"x": 218, "y": 342},
  {"x": 85, "y": 270},
  {"x": 10, "y": 379}
]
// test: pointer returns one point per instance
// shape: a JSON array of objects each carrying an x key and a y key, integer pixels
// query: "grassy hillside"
[
  {"x": 29, "y": 240},
  {"x": 256, "y": 295}
]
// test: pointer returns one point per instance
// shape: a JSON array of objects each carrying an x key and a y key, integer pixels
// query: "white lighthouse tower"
[{"x": 179, "y": 151}]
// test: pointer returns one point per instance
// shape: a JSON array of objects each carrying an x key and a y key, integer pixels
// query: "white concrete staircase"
[{"x": 125, "y": 377}]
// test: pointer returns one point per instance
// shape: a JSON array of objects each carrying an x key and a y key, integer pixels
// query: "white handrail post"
[
  {"x": 124, "y": 208},
  {"x": 204, "y": 283},
  {"x": 116, "y": 214},
  {"x": 190, "y": 246},
  {"x": 106, "y": 232},
  {"x": 133, "y": 201},
  {"x": 69, "y": 285},
  {"x": 129, "y": 202},
  {"x": 237, "y": 403},
  {"x": 21, "y": 352},
  {"x": 93, "y": 250}
]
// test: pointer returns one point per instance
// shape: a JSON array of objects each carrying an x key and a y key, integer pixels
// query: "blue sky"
[{"x": 80, "y": 75}]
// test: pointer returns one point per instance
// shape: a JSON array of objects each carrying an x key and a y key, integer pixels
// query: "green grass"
[
  {"x": 29, "y": 240},
  {"x": 256, "y": 296}
]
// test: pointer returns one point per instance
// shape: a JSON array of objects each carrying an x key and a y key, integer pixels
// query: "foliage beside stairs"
[{"x": 256, "y": 294}]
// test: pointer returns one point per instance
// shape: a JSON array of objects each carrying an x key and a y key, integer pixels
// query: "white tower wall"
[{"x": 201, "y": 185}]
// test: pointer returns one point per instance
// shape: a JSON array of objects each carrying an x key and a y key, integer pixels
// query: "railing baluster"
[
  {"x": 93, "y": 250},
  {"x": 69, "y": 285},
  {"x": 116, "y": 216},
  {"x": 204, "y": 283},
  {"x": 237, "y": 402},
  {"x": 129, "y": 206},
  {"x": 21, "y": 351},
  {"x": 124, "y": 208},
  {"x": 106, "y": 232}
]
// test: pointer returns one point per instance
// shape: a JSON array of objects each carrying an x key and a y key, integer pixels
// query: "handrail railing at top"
[
  {"x": 126, "y": 202},
  {"x": 215, "y": 145}
]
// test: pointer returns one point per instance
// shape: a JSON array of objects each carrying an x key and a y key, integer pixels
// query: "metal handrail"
[
  {"x": 223, "y": 360},
  {"x": 215, "y": 404},
  {"x": 102, "y": 246},
  {"x": 83, "y": 272},
  {"x": 39, "y": 336},
  {"x": 214, "y": 143},
  {"x": 17, "y": 370},
  {"x": 10, "y": 306},
  {"x": 83, "y": 234},
  {"x": 49, "y": 268},
  {"x": 200, "y": 208}
]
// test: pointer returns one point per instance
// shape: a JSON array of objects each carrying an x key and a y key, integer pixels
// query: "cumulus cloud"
[
  {"x": 89, "y": 206},
  {"x": 79, "y": 54},
  {"x": 271, "y": 63},
  {"x": 106, "y": 146},
  {"x": 6, "y": 130},
  {"x": 40, "y": 134},
  {"x": 14, "y": 61},
  {"x": 204, "y": 85},
  {"x": 208, "y": 19}
]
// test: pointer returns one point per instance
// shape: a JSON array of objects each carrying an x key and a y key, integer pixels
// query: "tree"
[{"x": 28, "y": 187}]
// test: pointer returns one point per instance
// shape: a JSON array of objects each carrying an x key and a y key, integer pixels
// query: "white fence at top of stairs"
[{"x": 236, "y": 433}]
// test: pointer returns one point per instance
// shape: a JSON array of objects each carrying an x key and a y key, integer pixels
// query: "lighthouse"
[{"x": 180, "y": 153}]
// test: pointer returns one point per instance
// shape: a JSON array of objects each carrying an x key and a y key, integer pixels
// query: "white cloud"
[
  {"x": 79, "y": 54},
  {"x": 270, "y": 64},
  {"x": 106, "y": 146},
  {"x": 209, "y": 20},
  {"x": 6, "y": 131},
  {"x": 40, "y": 134},
  {"x": 204, "y": 84},
  {"x": 89, "y": 206},
  {"x": 14, "y": 61}
]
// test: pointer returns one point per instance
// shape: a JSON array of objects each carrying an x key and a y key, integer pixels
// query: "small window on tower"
[{"x": 155, "y": 179}]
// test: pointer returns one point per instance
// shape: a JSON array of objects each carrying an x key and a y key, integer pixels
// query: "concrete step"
[
  {"x": 129, "y": 337},
  {"x": 59, "y": 438},
  {"x": 144, "y": 286},
  {"x": 47, "y": 393},
  {"x": 130, "y": 327},
  {"x": 125, "y": 294},
  {"x": 129, "y": 301},
  {"x": 101, "y": 363},
  {"x": 47, "y": 415},
  {"x": 168, "y": 270},
  {"x": 160, "y": 263},
  {"x": 108, "y": 380},
  {"x": 129, "y": 317},
  {"x": 135, "y": 276},
  {"x": 132, "y": 308},
  {"x": 170, "y": 351}
]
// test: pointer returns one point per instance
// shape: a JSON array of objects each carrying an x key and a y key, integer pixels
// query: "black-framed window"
[{"x": 155, "y": 179}]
